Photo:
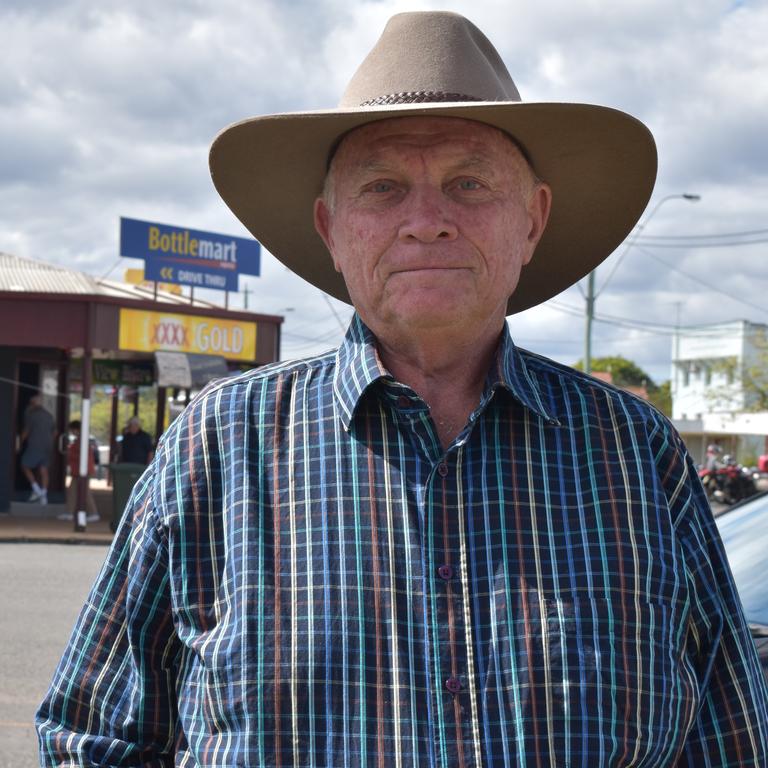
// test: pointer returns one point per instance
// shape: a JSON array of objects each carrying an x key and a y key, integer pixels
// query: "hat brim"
[{"x": 600, "y": 163}]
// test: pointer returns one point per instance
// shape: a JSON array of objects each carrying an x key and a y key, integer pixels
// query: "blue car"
[{"x": 744, "y": 530}]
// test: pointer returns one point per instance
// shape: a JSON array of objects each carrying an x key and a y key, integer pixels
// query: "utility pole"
[{"x": 590, "y": 297}]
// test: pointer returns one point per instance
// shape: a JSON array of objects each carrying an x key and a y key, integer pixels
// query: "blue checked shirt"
[{"x": 305, "y": 578}]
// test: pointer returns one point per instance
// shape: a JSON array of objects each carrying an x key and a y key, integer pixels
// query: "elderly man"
[
  {"x": 136, "y": 445},
  {"x": 429, "y": 547}
]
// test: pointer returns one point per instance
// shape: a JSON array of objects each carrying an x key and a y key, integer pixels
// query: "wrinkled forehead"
[{"x": 413, "y": 132}]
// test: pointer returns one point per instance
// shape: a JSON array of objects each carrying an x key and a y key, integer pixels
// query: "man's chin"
[{"x": 428, "y": 316}]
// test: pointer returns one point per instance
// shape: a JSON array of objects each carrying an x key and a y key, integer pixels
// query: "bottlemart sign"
[{"x": 189, "y": 256}]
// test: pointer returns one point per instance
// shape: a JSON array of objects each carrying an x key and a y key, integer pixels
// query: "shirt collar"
[
  {"x": 511, "y": 373},
  {"x": 358, "y": 366}
]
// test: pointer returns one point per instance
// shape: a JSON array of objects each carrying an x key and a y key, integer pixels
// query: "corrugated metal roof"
[{"x": 31, "y": 276}]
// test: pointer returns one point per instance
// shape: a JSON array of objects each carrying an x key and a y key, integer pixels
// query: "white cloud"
[{"x": 108, "y": 109}]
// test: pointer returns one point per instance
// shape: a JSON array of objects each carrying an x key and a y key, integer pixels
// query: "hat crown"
[{"x": 430, "y": 56}]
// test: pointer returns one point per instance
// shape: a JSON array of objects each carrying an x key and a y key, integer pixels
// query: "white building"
[{"x": 710, "y": 402}]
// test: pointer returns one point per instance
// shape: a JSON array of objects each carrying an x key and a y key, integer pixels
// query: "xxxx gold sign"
[{"x": 142, "y": 331}]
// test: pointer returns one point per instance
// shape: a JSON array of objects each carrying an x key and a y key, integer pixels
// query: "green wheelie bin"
[{"x": 124, "y": 477}]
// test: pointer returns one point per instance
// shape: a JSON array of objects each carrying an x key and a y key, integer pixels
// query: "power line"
[
  {"x": 327, "y": 336},
  {"x": 641, "y": 225},
  {"x": 112, "y": 268},
  {"x": 342, "y": 325},
  {"x": 703, "y": 282},
  {"x": 662, "y": 329}
]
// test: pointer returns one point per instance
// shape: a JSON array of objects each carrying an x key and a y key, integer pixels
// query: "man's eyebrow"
[
  {"x": 481, "y": 162},
  {"x": 372, "y": 165}
]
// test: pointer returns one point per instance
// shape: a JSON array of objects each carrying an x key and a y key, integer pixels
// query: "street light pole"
[{"x": 591, "y": 296}]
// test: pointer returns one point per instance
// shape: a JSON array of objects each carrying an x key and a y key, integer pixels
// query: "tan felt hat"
[{"x": 599, "y": 162}]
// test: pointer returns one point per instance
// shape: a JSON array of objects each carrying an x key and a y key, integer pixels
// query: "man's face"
[{"x": 430, "y": 220}]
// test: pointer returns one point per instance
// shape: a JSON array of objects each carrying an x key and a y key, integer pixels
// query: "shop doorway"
[{"x": 49, "y": 379}]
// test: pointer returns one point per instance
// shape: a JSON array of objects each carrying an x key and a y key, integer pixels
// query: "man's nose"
[{"x": 427, "y": 216}]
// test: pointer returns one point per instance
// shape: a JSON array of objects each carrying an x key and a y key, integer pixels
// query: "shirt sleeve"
[
  {"x": 730, "y": 724},
  {"x": 112, "y": 699}
]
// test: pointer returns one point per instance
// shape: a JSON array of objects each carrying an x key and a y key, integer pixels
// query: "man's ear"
[
  {"x": 323, "y": 226},
  {"x": 539, "y": 207}
]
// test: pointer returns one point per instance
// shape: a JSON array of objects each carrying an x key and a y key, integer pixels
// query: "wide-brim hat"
[{"x": 600, "y": 162}]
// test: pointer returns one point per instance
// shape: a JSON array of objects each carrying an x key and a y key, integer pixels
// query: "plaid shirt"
[{"x": 305, "y": 577}]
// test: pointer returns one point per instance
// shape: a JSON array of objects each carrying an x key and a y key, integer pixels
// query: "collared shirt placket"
[{"x": 453, "y": 723}]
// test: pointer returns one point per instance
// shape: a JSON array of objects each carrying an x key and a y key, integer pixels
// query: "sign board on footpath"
[{"x": 189, "y": 256}]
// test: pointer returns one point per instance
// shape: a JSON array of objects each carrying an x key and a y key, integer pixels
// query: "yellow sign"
[
  {"x": 136, "y": 277},
  {"x": 152, "y": 331}
]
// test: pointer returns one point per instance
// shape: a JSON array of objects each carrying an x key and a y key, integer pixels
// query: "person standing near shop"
[
  {"x": 136, "y": 447},
  {"x": 73, "y": 459},
  {"x": 37, "y": 437}
]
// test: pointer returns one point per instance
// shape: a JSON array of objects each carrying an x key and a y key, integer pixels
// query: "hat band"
[{"x": 416, "y": 97}]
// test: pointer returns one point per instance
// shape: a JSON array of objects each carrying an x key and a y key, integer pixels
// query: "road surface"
[{"x": 42, "y": 588}]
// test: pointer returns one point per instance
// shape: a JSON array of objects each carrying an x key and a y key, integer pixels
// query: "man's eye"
[
  {"x": 469, "y": 184},
  {"x": 381, "y": 187}
]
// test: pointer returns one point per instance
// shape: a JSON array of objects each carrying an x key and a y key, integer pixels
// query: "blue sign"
[{"x": 189, "y": 256}]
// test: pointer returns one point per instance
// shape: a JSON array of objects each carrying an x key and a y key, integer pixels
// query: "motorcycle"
[{"x": 729, "y": 482}]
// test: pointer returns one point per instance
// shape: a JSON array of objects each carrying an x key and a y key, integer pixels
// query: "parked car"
[{"x": 744, "y": 530}]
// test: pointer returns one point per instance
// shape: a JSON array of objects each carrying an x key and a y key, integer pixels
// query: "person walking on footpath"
[{"x": 37, "y": 438}]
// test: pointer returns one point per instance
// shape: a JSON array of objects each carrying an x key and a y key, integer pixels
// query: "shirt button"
[
  {"x": 442, "y": 469},
  {"x": 453, "y": 684},
  {"x": 445, "y": 572},
  {"x": 403, "y": 401}
]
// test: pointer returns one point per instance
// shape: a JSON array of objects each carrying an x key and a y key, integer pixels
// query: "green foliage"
[
  {"x": 625, "y": 373},
  {"x": 661, "y": 397},
  {"x": 751, "y": 378},
  {"x": 101, "y": 411},
  {"x": 754, "y": 378}
]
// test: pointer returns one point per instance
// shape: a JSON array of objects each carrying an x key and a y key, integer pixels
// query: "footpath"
[{"x": 32, "y": 522}]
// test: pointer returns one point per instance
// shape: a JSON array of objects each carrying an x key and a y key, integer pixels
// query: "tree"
[
  {"x": 101, "y": 411},
  {"x": 749, "y": 379},
  {"x": 625, "y": 373}
]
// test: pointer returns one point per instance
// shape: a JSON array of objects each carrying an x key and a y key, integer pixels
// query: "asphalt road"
[{"x": 42, "y": 588}]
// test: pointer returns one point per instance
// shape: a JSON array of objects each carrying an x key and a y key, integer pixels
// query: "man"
[
  {"x": 429, "y": 547},
  {"x": 136, "y": 446},
  {"x": 712, "y": 460},
  {"x": 37, "y": 437}
]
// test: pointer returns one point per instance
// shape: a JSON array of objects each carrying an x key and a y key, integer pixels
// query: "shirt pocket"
[{"x": 617, "y": 684}]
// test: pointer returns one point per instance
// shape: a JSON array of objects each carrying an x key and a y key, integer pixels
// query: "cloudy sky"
[{"x": 107, "y": 109}]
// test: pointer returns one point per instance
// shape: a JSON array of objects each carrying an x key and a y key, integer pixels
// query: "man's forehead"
[{"x": 376, "y": 140}]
